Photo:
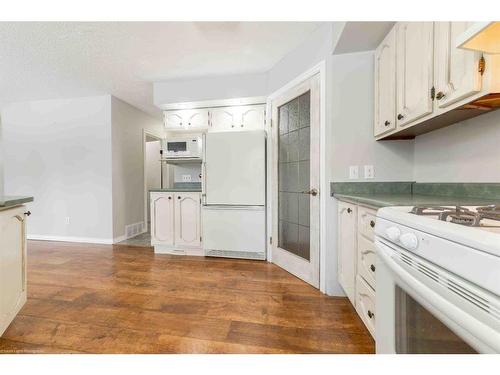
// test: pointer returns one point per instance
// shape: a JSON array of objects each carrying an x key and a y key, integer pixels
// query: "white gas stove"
[{"x": 438, "y": 279}]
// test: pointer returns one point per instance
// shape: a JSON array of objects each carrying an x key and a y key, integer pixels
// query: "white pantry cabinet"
[
  {"x": 176, "y": 222},
  {"x": 356, "y": 258},
  {"x": 385, "y": 85},
  {"x": 186, "y": 119},
  {"x": 347, "y": 218},
  {"x": 414, "y": 70},
  {"x": 12, "y": 264}
]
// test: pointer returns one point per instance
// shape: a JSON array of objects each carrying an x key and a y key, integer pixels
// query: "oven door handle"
[{"x": 484, "y": 338}]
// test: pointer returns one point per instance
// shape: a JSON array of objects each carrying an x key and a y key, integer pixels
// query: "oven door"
[{"x": 422, "y": 308}]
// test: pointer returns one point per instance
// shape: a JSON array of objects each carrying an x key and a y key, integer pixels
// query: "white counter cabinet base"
[
  {"x": 175, "y": 222},
  {"x": 356, "y": 258},
  {"x": 12, "y": 264}
]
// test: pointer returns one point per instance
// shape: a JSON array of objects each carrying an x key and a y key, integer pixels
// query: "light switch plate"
[
  {"x": 353, "y": 172},
  {"x": 186, "y": 178},
  {"x": 369, "y": 171}
]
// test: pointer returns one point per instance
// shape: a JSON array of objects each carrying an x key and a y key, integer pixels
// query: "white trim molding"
[
  {"x": 41, "y": 237},
  {"x": 320, "y": 69}
]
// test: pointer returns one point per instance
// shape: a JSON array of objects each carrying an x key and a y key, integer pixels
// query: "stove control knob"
[
  {"x": 393, "y": 233},
  {"x": 409, "y": 241}
]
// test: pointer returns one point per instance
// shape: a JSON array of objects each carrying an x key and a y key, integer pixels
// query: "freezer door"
[
  {"x": 235, "y": 168},
  {"x": 234, "y": 232}
]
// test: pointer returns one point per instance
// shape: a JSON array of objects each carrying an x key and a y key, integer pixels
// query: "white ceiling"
[{"x": 54, "y": 60}]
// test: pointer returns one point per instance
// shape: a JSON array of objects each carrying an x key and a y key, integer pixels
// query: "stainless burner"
[{"x": 460, "y": 215}]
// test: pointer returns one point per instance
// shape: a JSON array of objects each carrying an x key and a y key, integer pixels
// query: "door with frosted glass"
[{"x": 295, "y": 198}]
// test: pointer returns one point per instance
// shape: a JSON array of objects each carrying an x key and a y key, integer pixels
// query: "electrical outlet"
[
  {"x": 67, "y": 220},
  {"x": 353, "y": 172},
  {"x": 186, "y": 178},
  {"x": 369, "y": 171}
]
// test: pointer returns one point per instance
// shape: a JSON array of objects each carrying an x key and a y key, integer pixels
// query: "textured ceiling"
[{"x": 44, "y": 60}]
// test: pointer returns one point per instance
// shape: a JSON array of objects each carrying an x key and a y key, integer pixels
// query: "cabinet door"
[
  {"x": 385, "y": 85},
  {"x": 174, "y": 120},
  {"x": 187, "y": 219},
  {"x": 162, "y": 219},
  {"x": 347, "y": 248},
  {"x": 223, "y": 118},
  {"x": 414, "y": 71},
  {"x": 251, "y": 117},
  {"x": 457, "y": 75},
  {"x": 196, "y": 118},
  {"x": 12, "y": 265}
]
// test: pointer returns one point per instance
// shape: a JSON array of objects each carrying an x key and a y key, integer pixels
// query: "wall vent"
[{"x": 133, "y": 230}]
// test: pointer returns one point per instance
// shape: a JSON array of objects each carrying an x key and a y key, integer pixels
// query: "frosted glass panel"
[{"x": 293, "y": 176}]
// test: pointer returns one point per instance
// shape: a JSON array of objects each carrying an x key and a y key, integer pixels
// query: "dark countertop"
[
  {"x": 407, "y": 199},
  {"x": 8, "y": 201},
  {"x": 175, "y": 190}
]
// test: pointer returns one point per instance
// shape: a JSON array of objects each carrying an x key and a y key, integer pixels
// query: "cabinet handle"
[
  {"x": 372, "y": 267},
  {"x": 349, "y": 210},
  {"x": 372, "y": 223},
  {"x": 387, "y": 123},
  {"x": 370, "y": 314},
  {"x": 400, "y": 116},
  {"x": 440, "y": 95}
]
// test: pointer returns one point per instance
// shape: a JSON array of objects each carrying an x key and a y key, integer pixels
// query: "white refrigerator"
[{"x": 234, "y": 194}]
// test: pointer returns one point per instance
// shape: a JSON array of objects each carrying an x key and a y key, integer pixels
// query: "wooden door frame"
[
  {"x": 320, "y": 69},
  {"x": 145, "y": 134}
]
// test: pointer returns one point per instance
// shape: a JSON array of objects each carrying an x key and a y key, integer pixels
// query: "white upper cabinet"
[
  {"x": 186, "y": 119},
  {"x": 248, "y": 117},
  {"x": 457, "y": 76},
  {"x": 222, "y": 118},
  {"x": 385, "y": 85},
  {"x": 187, "y": 219},
  {"x": 414, "y": 71}
]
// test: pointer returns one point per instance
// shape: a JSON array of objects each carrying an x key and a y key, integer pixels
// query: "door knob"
[{"x": 313, "y": 192}]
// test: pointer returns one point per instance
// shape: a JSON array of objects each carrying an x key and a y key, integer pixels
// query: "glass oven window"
[
  {"x": 176, "y": 146},
  {"x": 419, "y": 332}
]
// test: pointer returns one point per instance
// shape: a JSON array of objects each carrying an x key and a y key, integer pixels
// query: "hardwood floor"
[{"x": 125, "y": 299}]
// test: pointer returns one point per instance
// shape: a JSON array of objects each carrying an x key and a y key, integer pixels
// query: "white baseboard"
[{"x": 39, "y": 237}]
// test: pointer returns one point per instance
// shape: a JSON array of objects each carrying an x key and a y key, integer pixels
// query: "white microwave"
[{"x": 182, "y": 147}]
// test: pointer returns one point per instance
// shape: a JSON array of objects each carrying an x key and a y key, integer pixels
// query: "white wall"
[
  {"x": 153, "y": 172},
  {"x": 128, "y": 123},
  {"x": 1, "y": 161},
  {"x": 465, "y": 152},
  {"x": 209, "y": 88},
  {"x": 58, "y": 151}
]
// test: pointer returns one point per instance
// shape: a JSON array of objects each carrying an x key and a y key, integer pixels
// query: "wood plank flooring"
[{"x": 85, "y": 298}]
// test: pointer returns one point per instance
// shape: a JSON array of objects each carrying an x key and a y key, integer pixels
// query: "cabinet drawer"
[
  {"x": 365, "y": 304},
  {"x": 366, "y": 260},
  {"x": 366, "y": 222}
]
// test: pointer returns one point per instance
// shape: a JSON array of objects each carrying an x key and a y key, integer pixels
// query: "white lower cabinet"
[
  {"x": 356, "y": 258},
  {"x": 12, "y": 264},
  {"x": 175, "y": 222}
]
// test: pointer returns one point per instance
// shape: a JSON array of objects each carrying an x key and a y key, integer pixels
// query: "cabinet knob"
[
  {"x": 349, "y": 210},
  {"x": 400, "y": 116},
  {"x": 372, "y": 223},
  {"x": 178, "y": 197},
  {"x": 180, "y": 123},
  {"x": 372, "y": 267},
  {"x": 387, "y": 123},
  {"x": 370, "y": 314},
  {"x": 241, "y": 125},
  {"x": 440, "y": 95},
  {"x": 169, "y": 197},
  {"x": 27, "y": 213},
  {"x": 189, "y": 123}
]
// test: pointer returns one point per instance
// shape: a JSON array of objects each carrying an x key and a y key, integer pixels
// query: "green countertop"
[
  {"x": 408, "y": 199},
  {"x": 175, "y": 190},
  {"x": 13, "y": 200}
]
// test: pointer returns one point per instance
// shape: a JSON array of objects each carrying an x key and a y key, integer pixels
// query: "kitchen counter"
[
  {"x": 13, "y": 200},
  {"x": 383, "y": 194},
  {"x": 175, "y": 190},
  {"x": 384, "y": 200}
]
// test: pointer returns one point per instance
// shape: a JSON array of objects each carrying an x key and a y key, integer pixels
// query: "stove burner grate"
[{"x": 460, "y": 215}]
